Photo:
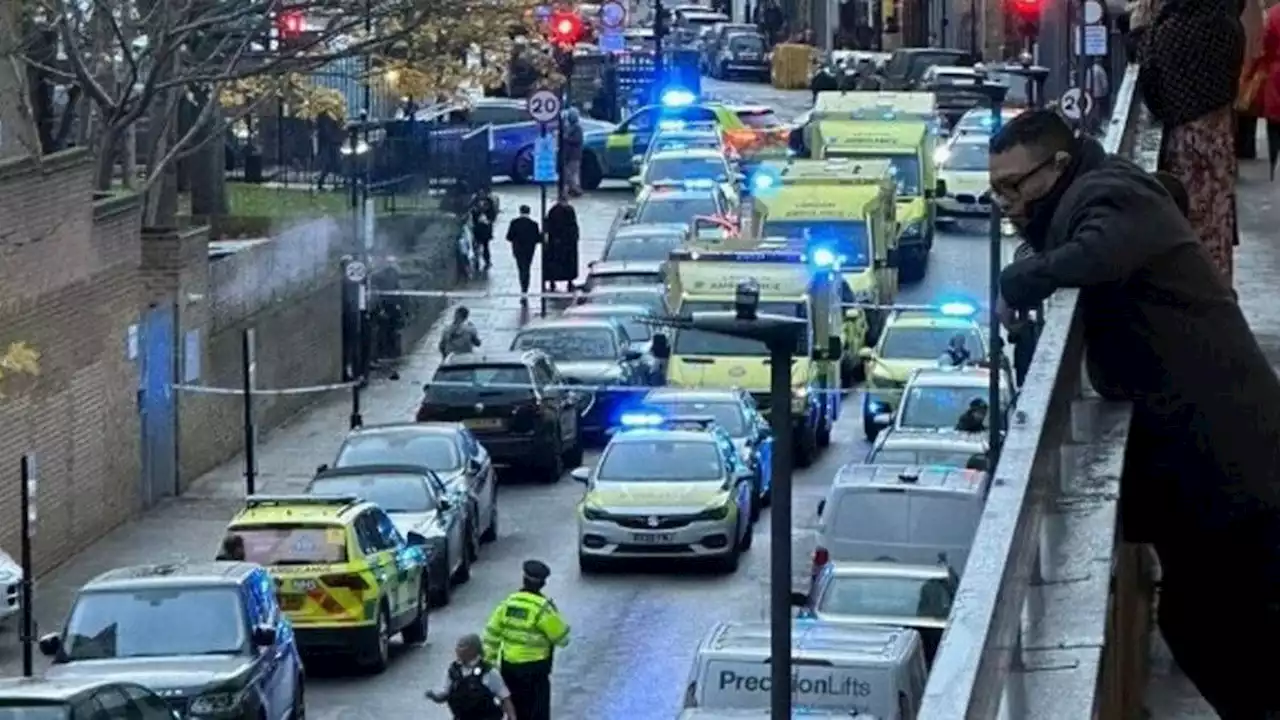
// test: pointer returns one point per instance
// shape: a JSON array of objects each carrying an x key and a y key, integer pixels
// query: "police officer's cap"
[{"x": 536, "y": 570}]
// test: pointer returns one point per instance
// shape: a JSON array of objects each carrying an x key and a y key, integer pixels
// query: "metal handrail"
[{"x": 983, "y": 648}]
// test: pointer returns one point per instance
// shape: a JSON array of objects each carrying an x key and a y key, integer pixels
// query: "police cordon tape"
[{"x": 303, "y": 390}]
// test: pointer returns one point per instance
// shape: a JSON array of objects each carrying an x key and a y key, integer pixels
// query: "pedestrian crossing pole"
[{"x": 248, "y": 371}]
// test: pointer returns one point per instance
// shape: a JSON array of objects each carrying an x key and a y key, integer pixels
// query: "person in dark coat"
[
  {"x": 562, "y": 244},
  {"x": 483, "y": 214},
  {"x": 974, "y": 419},
  {"x": 329, "y": 139},
  {"x": 524, "y": 236},
  {"x": 1163, "y": 330}
]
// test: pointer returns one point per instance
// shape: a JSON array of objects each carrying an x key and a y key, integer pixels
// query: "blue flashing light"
[
  {"x": 678, "y": 97},
  {"x": 762, "y": 182},
  {"x": 957, "y": 309},
  {"x": 823, "y": 258},
  {"x": 637, "y": 420}
]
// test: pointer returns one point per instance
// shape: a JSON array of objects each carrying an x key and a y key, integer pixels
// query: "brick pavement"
[
  {"x": 191, "y": 526},
  {"x": 1170, "y": 695}
]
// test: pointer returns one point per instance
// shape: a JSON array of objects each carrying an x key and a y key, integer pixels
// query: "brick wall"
[{"x": 68, "y": 287}]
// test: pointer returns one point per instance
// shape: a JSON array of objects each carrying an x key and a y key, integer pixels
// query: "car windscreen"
[
  {"x": 624, "y": 279},
  {"x": 651, "y": 300},
  {"x": 968, "y": 157},
  {"x": 661, "y": 461},
  {"x": 937, "y": 407},
  {"x": 569, "y": 344},
  {"x": 26, "y": 709},
  {"x": 921, "y": 62},
  {"x": 747, "y": 43},
  {"x": 637, "y": 330},
  {"x": 643, "y": 248},
  {"x": 691, "y": 341},
  {"x": 393, "y": 492},
  {"x": 390, "y": 447},
  {"x": 676, "y": 209},
  {"x": 925, "y": 343},
  {"x": 496, "y": 383},
  {"x": 942, "y": 458},
  {"x": 293, "y": 544},
  {"x": 902, "y": 597},
  {"x": 680, "y": 169},
  {"x": 728, "y": 415},
  {"x": 847, "y": 238},
  {"x": 156, "y": 622}
]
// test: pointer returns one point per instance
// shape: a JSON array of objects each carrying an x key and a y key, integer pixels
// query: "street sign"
[
  {"x": 612, "y": 40},
  {"x": 544, "y": 106},
  {"x": 1076, "y": 103},
  {"x": 1093, "y": 12},
  {"x": 1095, "y": 40},
  {"x": 544, "y": 160},
  {"x": 356, "y": 271},
  {"x": 613, "y": 15}
]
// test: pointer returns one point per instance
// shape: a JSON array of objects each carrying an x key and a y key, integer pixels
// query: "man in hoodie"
[
  {"x": 1201, "y": 481},
  {"x": 461, "y": 335}
]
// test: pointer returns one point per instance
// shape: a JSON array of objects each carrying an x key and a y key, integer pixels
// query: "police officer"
[
  {"x": 521, "y": 635},
  {"x": 975, "y": 418},
  {"x": 473, "y": 688},
  {"x": 957, "y": 353}
]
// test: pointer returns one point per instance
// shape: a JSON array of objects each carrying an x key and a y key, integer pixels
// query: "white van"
[
  {"x": 836, "y": 667},
  {"x": 896, "y": 513}
]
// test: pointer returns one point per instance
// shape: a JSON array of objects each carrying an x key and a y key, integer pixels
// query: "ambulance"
[
  {"x": 857, "y": 669},
  {"x": 702, "y": 281},
  {"x": 899, "y": 127},
  {"x": 848, "y": 206}
]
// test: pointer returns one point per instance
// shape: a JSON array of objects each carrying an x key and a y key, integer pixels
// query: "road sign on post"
[
  {"x": 544, "y": 106},
  {"x": 1076, "y": 103},
  {"x": 544, "y": 160},
  {"x": 613, "y": 15}
]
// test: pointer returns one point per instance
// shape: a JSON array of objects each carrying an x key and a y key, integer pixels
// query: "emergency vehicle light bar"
[
  {"x": 658, "y": 420},
  {"x": 760, "y": 256},
  {"x": 255, "y": 501}
]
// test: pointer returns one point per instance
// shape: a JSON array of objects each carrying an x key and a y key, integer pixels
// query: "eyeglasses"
[{"x": 1008, "y": 189}]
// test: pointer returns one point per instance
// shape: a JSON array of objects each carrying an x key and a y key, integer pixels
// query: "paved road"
[{"x": 634, "y": 634}]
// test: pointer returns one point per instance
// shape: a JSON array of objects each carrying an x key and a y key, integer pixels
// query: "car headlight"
[
  {"x": 799, "y": 399},
  {"x": 361, "y": 148},
  {"x": 216, "y": 703},
  {"x": 593, "y": 513},
  {"x": 716, "y": 513},
  {"x": 912, "y": 230}
]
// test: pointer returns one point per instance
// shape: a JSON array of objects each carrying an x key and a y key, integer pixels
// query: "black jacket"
[
  {"x": 524, "y": 236},
  {"x": 483, "y": 208},
  {"x": 1162, "y": 328},
  {"x": 562, "y": 242}
]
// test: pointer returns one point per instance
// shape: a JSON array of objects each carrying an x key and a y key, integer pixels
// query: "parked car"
[
  {"x": 906, "y": 66},
  {"x": 742, "y": 54},
  {"x": 45, "y": 699},
  {"x": 716, "y": 35}
]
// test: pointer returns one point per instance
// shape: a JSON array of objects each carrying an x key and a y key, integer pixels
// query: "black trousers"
[
  {"x": 482, "y": 247},
  {"x": 530, "y": 686},
  {"x": 524, "y": 268}
]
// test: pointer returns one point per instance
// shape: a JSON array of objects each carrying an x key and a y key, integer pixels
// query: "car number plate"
[
  {"x": 483, "y": 423},
  {"x": 652, "y": 538}
]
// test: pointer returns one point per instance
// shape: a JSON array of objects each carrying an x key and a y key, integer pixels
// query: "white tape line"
[
  {"x": 579, "y": 388},
  {"x": 309, "y": 390}
]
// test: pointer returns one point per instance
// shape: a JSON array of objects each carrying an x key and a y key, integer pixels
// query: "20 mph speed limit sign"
[
  {"x": 1076, "y": 103},
  {"x": 544, "y": 106}
]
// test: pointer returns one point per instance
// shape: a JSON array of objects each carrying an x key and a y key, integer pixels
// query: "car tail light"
[
  {"x": 820, "y": 558},
  {"x": 349, "y": 582}
]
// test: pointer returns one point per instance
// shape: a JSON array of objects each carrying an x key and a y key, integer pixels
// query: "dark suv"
[
  {"x": 208, "y": 637},
  {"x": 515, "y": 403},
  {"x": 906, "y": 66}
]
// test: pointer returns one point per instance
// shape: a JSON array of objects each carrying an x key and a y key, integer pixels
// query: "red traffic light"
[
  {"x": 290, "y": 24},
  {"x": 1027, "y": 9},
  {"x": 566, "y": 28}
]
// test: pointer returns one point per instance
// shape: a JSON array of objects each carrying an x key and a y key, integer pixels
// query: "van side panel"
[{"x": 746, "y": 684}]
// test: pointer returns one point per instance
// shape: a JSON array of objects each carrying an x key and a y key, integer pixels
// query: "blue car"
[{"x": 514, "y": 133}]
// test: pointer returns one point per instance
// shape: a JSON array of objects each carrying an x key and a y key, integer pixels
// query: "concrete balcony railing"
[{"x": 1053, "y": 615}]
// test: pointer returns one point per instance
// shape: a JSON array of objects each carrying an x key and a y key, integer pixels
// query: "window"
[
  {"x": 937, "y": 407},
  {"x": 466, "y": 383},
  {"x": 293, "y": 544},
  {"x": 387, "y": 532},
  {"x": 728, "y": 415},
  {"x": 651, "y": 248},
  {"x": 641, "y": 122},
  {"x": 661, "y": 461},
  {"x": 569, "y": 344},
  {"x": 156, "y": 622},
  {"x": 400, "y": 447},
  {"x": 39, "y": 710},
  {"x": 367, "y": 534},
  {"x": 848, "y": 238},
  {"x": 926, "y": 343},
  {"x": 393, "y": 492},
  {"x": 968, "y": 157},
  {"x": 544, "y": 375},
  {"x": 893, "y": 597},
  {"x": 677, "y": 209},
  {"x": 498, "y": 115},
  {"x": 113, "y": 704},
  {"x": 82, "y": 708},
  {"x": 149, "y": 706},
  {"x": 683, "y": 167},
  {"x": 759, "y": 119}
]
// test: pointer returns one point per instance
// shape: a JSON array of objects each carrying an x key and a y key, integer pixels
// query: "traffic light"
[
  {"x": 290, "y": 25},
  {"x": 566, "y": 29},
  {"x": 1026, "y": 14}
]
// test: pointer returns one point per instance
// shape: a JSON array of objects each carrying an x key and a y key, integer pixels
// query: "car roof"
[
  {"x": 624, "y": 267},
  {"x": 299, "y": 509},
  {"x": 692, "y": 395},
  {"x": 493, "y": 357},
  {"x": 903, "y": 476},
  {"x": 927, "y": 439},
  {"x": 830, "y": 641},
  {"x": 34, "y": 688},
  {"x": 671, "y": 192},
  {"x": 180, "y": 574},
  {"x": 970, "y": 139},
  {"x": 423, "y": 428},
  {"x": 647, "y": 434},
  {"x": 888, "y": 569},
  {"x": 373, "y": 469},
  {"x": 954, "y": 70},
  {"x": 563, "y": 322},
  {"x": 590, "y": 310},
  {"x": 627, "y": 290},
  {"x": 965, "y": 377},
  {"x": 695, "y": 153},
  {"x": 909, "y": 318},
  {"x": 650, "y": 229}
]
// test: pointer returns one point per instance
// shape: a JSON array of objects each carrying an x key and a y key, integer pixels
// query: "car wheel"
[
  {"x": 553, "y": 464},
  {"x": 491, "y": 533},
  {"x": 442, "y": 588},
  {"x": 379, "y": 652},
  {"x": 824, "y": 426},
  {"x": 522, "y": 167},
  {"x": 464, "y": 566},
  {"x": 756, "y": 504},
  {"x": 415, "y": 633},
  {"x": 573, "y": 456},
  {"x": 592, "y": 172}
]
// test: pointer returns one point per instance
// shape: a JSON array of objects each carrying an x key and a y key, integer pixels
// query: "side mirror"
[
  {"x": 941, "y": 188},
  {"x": 822, "y": 505},
  {"x": 632, "y": 355},
  {"x": 264, "y": 636},
  {"x": 866, "y": 353},
  {"x": 473, "y": 466},
  {"x": 835, "y": 348},
  {"x": 637, "y": 161},
  {"x": 882, "y": 418},
  {"x": 321, "y": 468},
  {"x": 580, "y": 474},
  {"x": 50, "y": 644},
  {"x": 445, "y": 505},
  {"x": 415, "y": 539}
]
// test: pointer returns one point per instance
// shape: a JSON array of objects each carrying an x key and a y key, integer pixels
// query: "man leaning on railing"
[{"x": 1163, "y": 330}]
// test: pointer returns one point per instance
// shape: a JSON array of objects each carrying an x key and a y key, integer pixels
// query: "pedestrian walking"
[
  {"x": 473, "y": 688},
  {"x": 560, "y": 253},
  {"x": 1190, "y": 75},
  {"x": 571, "y": 140},
  {"x": 329, "y": 139},
  {"x": 1163, "y": 330},
  {"x": 461, "y": 335},
  {"x": 524, "y": 236},
  {"x": 484, "y": 212},
  {"x": 521, "y": 635}
]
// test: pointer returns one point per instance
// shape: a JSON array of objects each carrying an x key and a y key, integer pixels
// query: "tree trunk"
[
  {"x": 204, "y": 170},
  {"x": 129, "y": 159},
  {"x": 109, "y": 146}
]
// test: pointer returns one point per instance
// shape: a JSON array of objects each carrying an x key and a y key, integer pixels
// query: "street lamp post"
[{"x": 781, "y": 334}]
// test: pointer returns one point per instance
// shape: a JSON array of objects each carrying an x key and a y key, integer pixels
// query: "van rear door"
[
  {"x": 944, "y": 523},
  {"x": 868, "y": 524},
  {"x": 815, "y": 684}
]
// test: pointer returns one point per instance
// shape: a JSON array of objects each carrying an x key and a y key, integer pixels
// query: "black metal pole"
[
  {"x": 361, "y": 355},
  {"x": 28, "y": 573},
  {"x": 353, "y": 140},
  {"x": 780, "y": 530},
  {"x": 280, "y": 167},
  {"x": 659, "y": 60},
  {"x": 994, "y": 409},
  {"x": 250, "y": 432},
  {"x": 542, "y": 252}
]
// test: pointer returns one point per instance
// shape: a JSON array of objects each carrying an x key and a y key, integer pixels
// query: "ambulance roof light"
[
  {"x": 957, "y": 309},
  {"x": 678, "y": 97}
]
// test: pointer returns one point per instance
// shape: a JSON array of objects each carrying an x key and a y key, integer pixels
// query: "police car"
[
  {"x": 665, "y": 488},
  {"x": 946, "y": 448},
  {"x": 685, "y": 166},
  {"x": 934, "y": 399},
  {"x": 668, "y": 202},
  {"x": 695, "y": 136},
  {"x": 650, "y": 241},
  {"x": 963, "y": 165}
]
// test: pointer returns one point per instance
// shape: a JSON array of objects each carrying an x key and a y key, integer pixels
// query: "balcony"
[{"x": 1054, "y": 617}]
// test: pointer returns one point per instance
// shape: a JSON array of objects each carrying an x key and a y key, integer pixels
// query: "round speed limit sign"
[
  {"x": 1076, "y": 103},
  {"x": 544, "y": 106}
]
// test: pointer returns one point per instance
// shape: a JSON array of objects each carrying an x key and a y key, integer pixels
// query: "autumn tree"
[
  {"x": 18, "y": 359},
  {"x": 126, "y": 64}
]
